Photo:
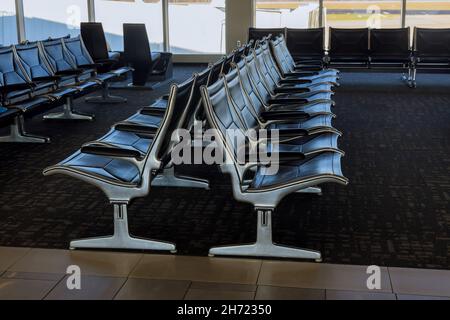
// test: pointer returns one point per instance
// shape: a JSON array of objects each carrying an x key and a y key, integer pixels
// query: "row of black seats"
[
  {"x": 244, "y": 91},
  {"x": 147, "y": 65},
  {"x": 39, "y": 76},
  {"x": 369, "y": 48}
]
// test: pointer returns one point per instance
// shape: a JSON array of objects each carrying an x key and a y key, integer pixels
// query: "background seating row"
[{"x": 366, "y": 48}]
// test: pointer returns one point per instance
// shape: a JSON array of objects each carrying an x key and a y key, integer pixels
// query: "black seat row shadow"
[
  {"x": 253, "y": 88},
  {"x": 37, "y": 77},
  {"x": 366, "y": 48}
]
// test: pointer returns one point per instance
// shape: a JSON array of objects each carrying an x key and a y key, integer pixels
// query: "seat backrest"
[
  {"x": 57, "y": 56},
  {"x": 238, "y": 54},
  {"x": 216, "y": 69},
  {"x": 11, "y": 72},
  {"x": 270, "y": 62},
  {"x": 306, "y": 43},
  {"x": 198, "y": 112},
  {"x": 249, "y": 88},
  {"x": 94, "y": 39},
  {"x": 390, "y": 42},
  {"x": 258, "y": 83},
  {"x": 240, "y": 103},
  {"x": 349, "y": 42},
  {"x": 136, "y": 44},
  {"x": 226, "y": 66},
  {"x": 32, "y": 60},
  {"x": 259, "y": 33},
  {"x": 261, "y": 67},
  {"x": 180, "y": 104},
  {"x": 76, "y": 48},
  {"x": 220, "y": 115},
  {"x": 432, "y": 42},
  {"x": 283, "y": 62},
  {"x": 248, "y": 46},
  {"x": 192, "y": 110}
]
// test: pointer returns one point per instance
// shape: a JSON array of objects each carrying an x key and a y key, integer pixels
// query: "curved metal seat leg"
[
  {"x": 121, "y": 239},
  {"x": 170, "y": 179},
  {"x": 68, "y": 113},
  {"x": 106, "y": 97},
  {"x": 17, "y": 134},
  {"x": 264, "y": 247}
]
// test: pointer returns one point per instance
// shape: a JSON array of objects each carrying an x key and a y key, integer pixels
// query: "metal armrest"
[
  {"x": 72, "y": 72},
  {"x": 284, "y": 115},
  {"x": 130, "y": 127},
  {"x": 287, "y": 89},
  {"x": 111, "y": 151},
  {"x": 295, "y": 81},
  {"x": 284, "y": 101},
  {"x": 150, "y": 111},
  {"x": 301, "y": 74}
]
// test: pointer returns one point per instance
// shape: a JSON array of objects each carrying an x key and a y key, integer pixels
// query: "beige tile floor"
[{"x": 41, "y": 274}]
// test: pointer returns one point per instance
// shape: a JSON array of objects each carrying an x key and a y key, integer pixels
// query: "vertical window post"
[
  {"x": 321, "y": 24},
  {"x": 20, "y": 21},
  {"x": 166, "y": 34},
  {"x": 91, "y": 10},
  {"x": 403, "y": 13}
]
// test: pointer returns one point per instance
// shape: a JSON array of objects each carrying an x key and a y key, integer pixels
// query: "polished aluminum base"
[
  {"x": 121, "y": 238},
  {"x": 170, "y": 179},
  {"x": 311, "y": 190},
  {"x": 147, "y": 86},
  {"x": 264, "y": 247},
  {"x": 106, "y": 97},
  {"x": 17, "y": 134},
  {"x": 68, "y": 113}
]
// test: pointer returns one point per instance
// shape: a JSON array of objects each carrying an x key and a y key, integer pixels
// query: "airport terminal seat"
[
  {"x": 136, "y": 154},
  {"x": 147, "y": 65},
  {"x": 123, "y": 178},
  {"x": 349, "y": 47},
  {"x": 431, "y": 50},
  {"x": 288, "y": 68},
  {"x": 60, "y": 61},
  {"x": 95, "y": 42},
  {"x": 101, "y": 71},
  {"x": 18, "y": 98},
  {"x": 390, "y": 46},
  {"x": 264, "y": 190},
  {"x": 295, "y": 96},
  {"x": 306, "y": 45}
]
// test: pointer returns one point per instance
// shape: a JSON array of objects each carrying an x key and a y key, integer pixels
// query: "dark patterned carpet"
[{"x": 395, "y": 212}]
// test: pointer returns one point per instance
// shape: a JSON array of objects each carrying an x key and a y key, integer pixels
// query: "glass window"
[
  {"x": 8, "y": 26},
  {"x": 362, "y": 13},
  {"x": 428, "y": 14},
  {"x": 290, "y": 14},
  {"x": 53, "y": 18},
  {"x": 197, "y": 27},
  {"x": 114, "y": 13}
]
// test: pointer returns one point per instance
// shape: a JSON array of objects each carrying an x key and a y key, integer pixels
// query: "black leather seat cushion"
[
  {"x": 102, "y": 167},
  {"x": 117, "y": 139},
  {"x": 105, "y": 76},
  {"x": 318, "y": 122},
  {"x": 324, "y": 165},
  {"x": 324, "y": 96},
  {"x": 310, "y": 145},
  {"x": 33, "y": 106}
]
